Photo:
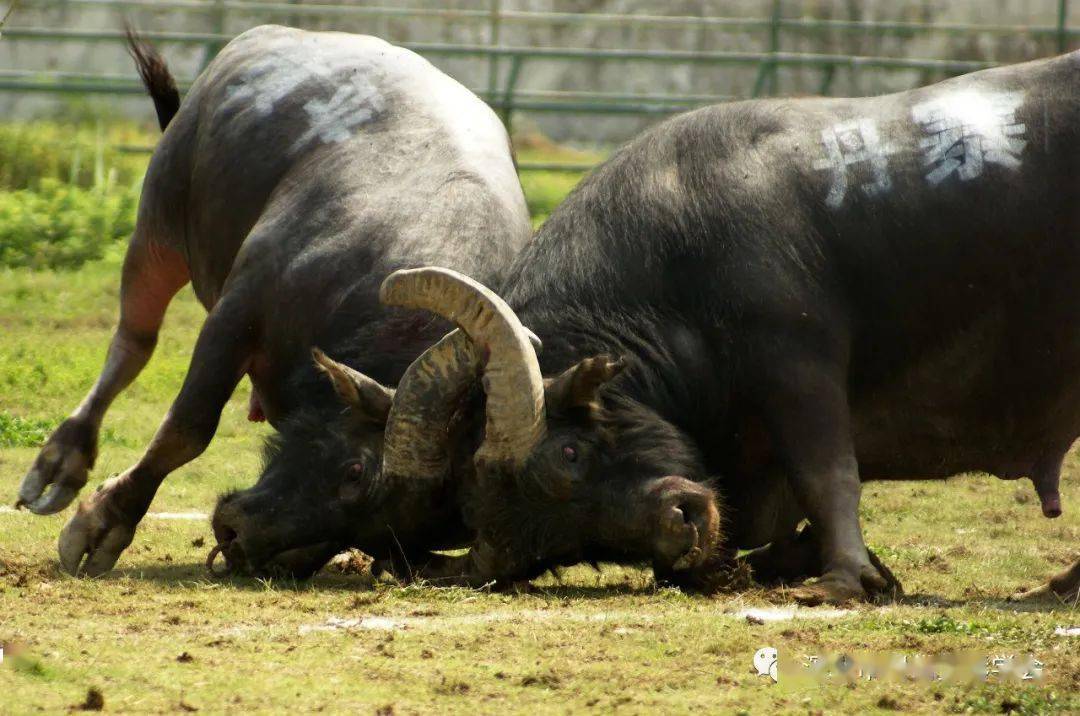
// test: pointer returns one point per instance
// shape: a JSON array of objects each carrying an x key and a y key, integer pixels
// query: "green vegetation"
[
  {"x": 72, "y": 153},
  {"x": 67, "y": 195},
  {"x": 63, "y": 226},
  {"x": 158, "y": 635},
  {"x": 19, "y": 432}
]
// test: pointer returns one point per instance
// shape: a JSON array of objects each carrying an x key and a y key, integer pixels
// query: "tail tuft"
[{"x": 156, "y": 77}]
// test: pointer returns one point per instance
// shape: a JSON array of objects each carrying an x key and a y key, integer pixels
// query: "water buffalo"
[
  {"x": 796, "y": 295},
  {"x": 300, "y": 170}
]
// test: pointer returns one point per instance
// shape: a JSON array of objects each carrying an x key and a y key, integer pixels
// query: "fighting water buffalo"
[
  {"x": 299, "y": 171},
  {"x": 753, "y": 307}
]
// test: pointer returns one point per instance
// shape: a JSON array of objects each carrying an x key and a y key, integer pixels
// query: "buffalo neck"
[{"x": 670, "y": 371}]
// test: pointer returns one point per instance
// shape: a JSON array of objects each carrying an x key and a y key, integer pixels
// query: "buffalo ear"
[
  {"x": 364, "y": 396},
  {"x": 578, "y": 386}
]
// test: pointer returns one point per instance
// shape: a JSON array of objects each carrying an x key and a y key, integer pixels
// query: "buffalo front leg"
[
  {"x": 808, "y": 411},
  {"x": 104, "y": 525},
  {"x": 151, "y": 277}
]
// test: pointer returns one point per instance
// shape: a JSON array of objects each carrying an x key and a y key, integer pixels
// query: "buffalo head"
[
  {"x": 568, "y": 468},
  {"x": 373, "y": 473}
]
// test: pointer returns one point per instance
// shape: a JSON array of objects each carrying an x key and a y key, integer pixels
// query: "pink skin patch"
[{"x": 255, "y": 411}]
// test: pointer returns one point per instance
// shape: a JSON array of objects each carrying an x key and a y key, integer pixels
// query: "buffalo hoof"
[
  {"x": 93, "y": 538},
  {"x": 1063, "y": 587},
  {"x": 1042, "y": 593},
  {"x": 60, "y": 470},
  {"x": 875, "y": 581},
  {"x": 826, "y": 591}
]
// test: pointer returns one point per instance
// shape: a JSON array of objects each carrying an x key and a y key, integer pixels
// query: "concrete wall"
[{"x": 622, "y": 77}]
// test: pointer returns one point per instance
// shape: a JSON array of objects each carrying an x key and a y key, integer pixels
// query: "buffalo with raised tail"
[
  {"x": 299, "y": 171},
  {"x": 753, "y": 307}
]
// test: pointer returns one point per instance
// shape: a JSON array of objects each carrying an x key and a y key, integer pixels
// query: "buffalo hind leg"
[
  {"x": 151, "y": 276},
  {"x": 104, "y": 525}
]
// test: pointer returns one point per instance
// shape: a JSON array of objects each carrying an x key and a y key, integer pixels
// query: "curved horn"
[
  {"x": 511, "y": 376},
  {"x": 415, "y": 442}
]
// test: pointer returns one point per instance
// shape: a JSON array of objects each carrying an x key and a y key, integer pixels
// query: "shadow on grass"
[
  {"x": 188, "y": 574},
  {"x": 180, "y": 574},
  {"x": 1042, "y": 605}
]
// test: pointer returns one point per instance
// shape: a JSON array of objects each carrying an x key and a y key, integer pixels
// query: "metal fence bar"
[
  {"x": 493, "y": 39},
  {"x": 767, "y": 72},
  {"x": 508, "y": 99},
  {"x": 498, "y": 102},
  {"x": 508, "y": 93},
  {"x": 1063, "y": 25},
  {"x": 551, "y": 53},
  {"x": 240, "y": 7},
  {"x": 213, "y": 47},
  {"x": 855, "y": 77},
  {"x": 554, "y": 98}
]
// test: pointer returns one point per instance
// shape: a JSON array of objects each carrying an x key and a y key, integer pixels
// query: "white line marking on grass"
[
  {"x": 1067, "y": 631},
  {"x": 633, "y": 620},
  {"x": 365, "y": 623},
  {"x": 179, "y": 515},
  {"x": 189, "y": 515}
]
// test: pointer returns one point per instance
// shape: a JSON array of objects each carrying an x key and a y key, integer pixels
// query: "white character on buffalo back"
[
  {"x": 851, "y": 143},
  {"x": 968, "y": 130}
]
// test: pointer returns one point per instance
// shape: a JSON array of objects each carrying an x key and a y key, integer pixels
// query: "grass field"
[{"x": 158, "y": 635}]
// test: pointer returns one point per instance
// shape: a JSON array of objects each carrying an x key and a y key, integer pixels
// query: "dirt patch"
[
  {"x": 549, "y": 680},
  {"x": 94, "y": 701},
  {"x": 19, "y": 573},
  {"x": 779, "y": 614}
]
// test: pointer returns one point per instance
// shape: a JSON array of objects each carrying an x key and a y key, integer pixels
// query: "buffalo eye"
[
  {"x": 354, "y": 471},
  {"x": 569, "y": 453}
]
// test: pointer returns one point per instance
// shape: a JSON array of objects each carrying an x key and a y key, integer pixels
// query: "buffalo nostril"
[
  {"x": 686, "y": 511},
  {"x": 224, "y": 534}
]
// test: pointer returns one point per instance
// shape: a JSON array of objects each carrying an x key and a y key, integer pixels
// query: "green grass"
[
  {"x": 158, "y": 636},
  {"x": 544, "y": 190}
]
